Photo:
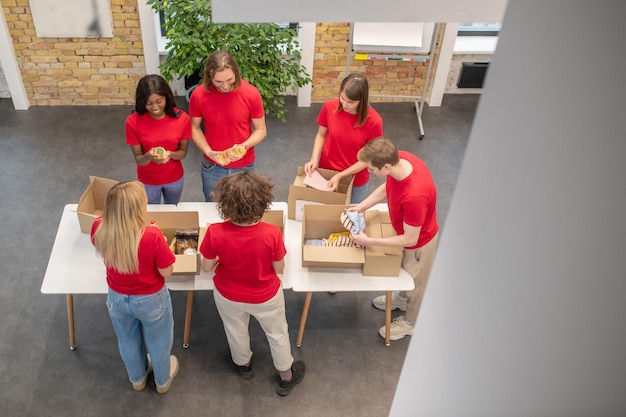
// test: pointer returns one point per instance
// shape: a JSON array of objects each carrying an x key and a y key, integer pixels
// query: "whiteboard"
[{"x": 398, "y": 37}]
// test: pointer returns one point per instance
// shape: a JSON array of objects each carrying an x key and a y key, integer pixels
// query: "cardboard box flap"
[
  {"x": 91, "y": 202},
  {"x": 381, "y": 260},
  {"x": 175, "y": 219},
  {"x": 388, "y": 231},
  {"x": 384, "y": 217},
  {"x": 322, "y": 220}
]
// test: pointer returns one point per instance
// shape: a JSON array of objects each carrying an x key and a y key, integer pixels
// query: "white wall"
[
  {"x": 526, "y": 308},
  {"x": 358, "y": 11}
]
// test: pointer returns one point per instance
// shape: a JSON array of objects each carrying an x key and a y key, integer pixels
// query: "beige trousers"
[
  {"x": 270, "y": 315},
  {"x": 418, "y": 263}
]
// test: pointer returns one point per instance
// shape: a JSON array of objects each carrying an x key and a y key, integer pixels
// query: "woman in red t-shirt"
[
  {"x": 346, "y": 124},
  {"x": 158, "y": 134},
  {"x": 249, "y": 253},
  {"x": 137, "y": 261}
]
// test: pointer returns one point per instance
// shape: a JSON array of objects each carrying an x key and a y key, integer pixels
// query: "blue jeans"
[
  {"x": 143, "y": 322},
  {"x": 358, "y": 194},
  {"x": 212, "y": 173},
  {"x": 171, "y": 192}
]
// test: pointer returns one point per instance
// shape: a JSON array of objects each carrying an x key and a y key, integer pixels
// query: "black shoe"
[
  {"x": 246, "y": 372},
  {"x": 297, "y": 373}
]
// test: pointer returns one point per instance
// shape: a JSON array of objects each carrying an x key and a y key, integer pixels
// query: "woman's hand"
[
  {"x": 333, "y": 183},
  {"x": 309, "y": 167},
  {"x": 159, "y": 155}
]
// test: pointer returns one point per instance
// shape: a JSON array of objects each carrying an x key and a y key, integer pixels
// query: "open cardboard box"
[
  {"x": 381, "y": 260},
  {"x": 172, "y": 221},
  {"x": 318, "y": 222},
  {"x": 299, "y": 191},
  {"x": 91, "y": 203},
  {"x": 275, "y": 217}
]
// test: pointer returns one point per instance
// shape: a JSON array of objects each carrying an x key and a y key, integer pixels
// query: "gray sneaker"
[
  {"x": 397, "y": 302},
  {"x": 398, "y": 329},
  {"x": 297, "y": 373}
]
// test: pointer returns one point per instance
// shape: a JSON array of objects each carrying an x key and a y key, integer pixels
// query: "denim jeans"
[
  {"x": 143, "y": 322},
  {"x": 358, "y": 194},
  {"x": 212, "y": 173},
  {"x": 171, "y": 192}
]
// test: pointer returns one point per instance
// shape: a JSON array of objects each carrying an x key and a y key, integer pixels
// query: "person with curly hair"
[{"x": 248, "y": 255}]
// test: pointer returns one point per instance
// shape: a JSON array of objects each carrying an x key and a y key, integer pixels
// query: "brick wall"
[
  {"x": 105, "y": 71},
  {"x": 385, "y": 77},
  {"x": 78, "y": 71}
]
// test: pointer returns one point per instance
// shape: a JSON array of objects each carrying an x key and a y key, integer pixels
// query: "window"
[{"x": 479, "y": 29}]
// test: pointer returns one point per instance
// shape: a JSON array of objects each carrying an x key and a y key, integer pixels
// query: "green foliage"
[{"x": 268, "y": 55}]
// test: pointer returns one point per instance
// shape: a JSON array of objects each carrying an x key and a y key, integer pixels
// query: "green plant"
[{"x": 268, "y": 55}]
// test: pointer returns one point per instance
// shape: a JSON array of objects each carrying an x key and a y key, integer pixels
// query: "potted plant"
[{"x": 267, "y": 53}]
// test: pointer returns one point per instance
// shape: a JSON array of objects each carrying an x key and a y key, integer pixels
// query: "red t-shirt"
[
  {"x": 344, "y": 140},
  {"x": 227, "y": 117},
  {"x": 153, "y": 253},
  {"x": 244, "y": 272},
  {"x": 413, "y": 200},
  {"x": 167, "y": 132}
]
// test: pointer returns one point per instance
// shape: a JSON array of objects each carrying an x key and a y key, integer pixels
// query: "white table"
[
  {"x": 207, "y": 213},
  {"x": 323, "y": 279},
  {"x": 74, "y": 267}
]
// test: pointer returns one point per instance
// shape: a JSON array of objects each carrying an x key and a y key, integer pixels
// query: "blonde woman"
[{"x": 137, "y": 261}]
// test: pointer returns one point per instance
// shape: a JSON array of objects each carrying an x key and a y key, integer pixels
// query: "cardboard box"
[
  {"x": 381, "y": 260},
  {"x": 275, "y": 217},
  {"x": 318, "y": 222},
  {"x": 299, "y": 191},
  {"x": 91, "y": 203},
  {"x": 171, "y": 221}
]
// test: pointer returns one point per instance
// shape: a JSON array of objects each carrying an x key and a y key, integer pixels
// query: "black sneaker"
[
  {"x": 246, "y": 372},
  {"x": 297, "y": 373}
]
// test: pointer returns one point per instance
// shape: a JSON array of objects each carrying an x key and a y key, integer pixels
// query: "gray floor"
[{"x": 47, "y": 156}]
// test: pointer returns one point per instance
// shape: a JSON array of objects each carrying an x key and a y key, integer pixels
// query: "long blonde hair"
[{"x": 123, "y": 222}]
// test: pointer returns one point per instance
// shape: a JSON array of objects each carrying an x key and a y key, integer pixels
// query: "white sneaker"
[
  {"x": 173, "y": 372},
  {"x": 397, "y": 302},
  {"x": 398, "y": 329}
]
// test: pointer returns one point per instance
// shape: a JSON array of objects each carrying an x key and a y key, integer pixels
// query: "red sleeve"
[{"x": 132, "y": 136}]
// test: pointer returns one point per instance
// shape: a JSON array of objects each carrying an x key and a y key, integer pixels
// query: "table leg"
[
  {"x": 388, "y": 319},
  {"x": 69, "y": 298},
  {"x": 305, "y": 313},
  {"x": 188, "y": 310}
]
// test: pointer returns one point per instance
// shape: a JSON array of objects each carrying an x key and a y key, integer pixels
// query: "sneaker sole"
[{"x": 385, "y": 308}]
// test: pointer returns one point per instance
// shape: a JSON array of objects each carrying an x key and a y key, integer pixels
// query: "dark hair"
[
  {"x": 242, "y": 197},
  {"x": 379, "y": 152},
  {"x": 219, "y": 61},
  {"x": 154, "y": 84},
  {"x": 356, "y": 87}
]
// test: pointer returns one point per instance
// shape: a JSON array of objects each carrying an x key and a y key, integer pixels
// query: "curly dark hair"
[{"x": 243, "y": 197}]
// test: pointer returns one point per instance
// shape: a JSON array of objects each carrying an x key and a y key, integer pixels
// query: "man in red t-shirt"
[
  {"x": 227, "y": 121},
  {"x": 412, "y": 197}
]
